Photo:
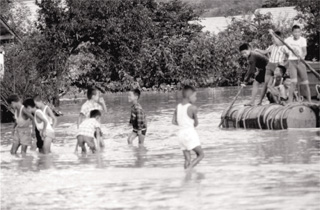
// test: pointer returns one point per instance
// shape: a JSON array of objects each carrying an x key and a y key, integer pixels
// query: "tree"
[{"x": 17, "y": 15}]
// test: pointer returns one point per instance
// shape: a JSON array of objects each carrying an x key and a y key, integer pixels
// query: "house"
[
  {"x": 215, "y": 24},
  {"x": 218, "y": 24}
]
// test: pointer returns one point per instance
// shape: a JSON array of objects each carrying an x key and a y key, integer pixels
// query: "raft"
[{"x": 273, "y": 116}]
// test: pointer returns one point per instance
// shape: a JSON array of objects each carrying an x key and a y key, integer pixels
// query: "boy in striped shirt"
[{"x": 278, "y": 56}]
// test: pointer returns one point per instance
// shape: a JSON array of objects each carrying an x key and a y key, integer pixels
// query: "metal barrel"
[{"x": 273, "y": 117}]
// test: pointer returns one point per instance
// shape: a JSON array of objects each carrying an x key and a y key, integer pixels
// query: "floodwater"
[{"x": 242, "y": 169}]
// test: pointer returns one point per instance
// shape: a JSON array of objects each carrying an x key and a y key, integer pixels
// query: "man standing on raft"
[{"x": 257, "y": 68}]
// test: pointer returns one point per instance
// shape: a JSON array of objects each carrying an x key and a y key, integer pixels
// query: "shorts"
[
  {"x": 143, "y": 132},
  {"x": 270, "y": 68},
  {"x": 22, "y": 136},
  {"x": 297, "y": 68},
  {"x": 260, "y": 77},
  {"x": 188, "y": 139},
  {"x": 86, "y": 139}
]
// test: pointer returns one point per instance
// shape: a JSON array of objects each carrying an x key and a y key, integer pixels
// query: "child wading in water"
[
  {"x": 22, "y": 134},
  {"x": 94, "y": 102},
  {"x": 137, "y": 118},
  {"x": 89, "y": 132},
  {"x": 185, "y": 116},
  {"x": 49, "y": 115},
  {"x": 42, "y": 123}
]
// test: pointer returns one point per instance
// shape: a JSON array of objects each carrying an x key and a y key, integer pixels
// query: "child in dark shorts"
[
  {"x": 257, "y": 69},
  {"x": 137, "y": 118}
]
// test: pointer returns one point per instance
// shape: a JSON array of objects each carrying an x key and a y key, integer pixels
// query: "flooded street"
[{"x": 242, "y": 169}]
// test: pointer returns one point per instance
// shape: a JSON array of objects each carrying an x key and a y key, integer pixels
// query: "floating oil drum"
[
  {"x": 252, "y": 119},
  {"x": 230, "y": 119},
  {"x": 273, "y": 120},
  {"x": 276, "y": 122},
  {"x": 296, "y": 116},
  {"x": 266, "y": 115},
  {"x": 274, "y": 116},
  {"x": 241, "y": 115}
]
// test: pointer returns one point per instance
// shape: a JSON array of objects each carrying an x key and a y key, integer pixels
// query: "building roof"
[
  {"x": 218, "y": 24},
  {"x": 279, "y": 13},
  {"x": 215, "y": 24}
]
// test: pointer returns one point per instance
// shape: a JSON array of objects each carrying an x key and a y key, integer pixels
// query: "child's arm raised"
[{"x": 174, "y": 118}]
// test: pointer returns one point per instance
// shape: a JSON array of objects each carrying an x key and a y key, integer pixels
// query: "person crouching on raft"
[
  {"x": 257, "y": 68},
  {"x": 277, "y": 92}
]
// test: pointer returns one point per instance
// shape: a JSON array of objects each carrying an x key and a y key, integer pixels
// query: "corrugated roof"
[
  {"x": 218, "y": 24},
  {"x": 279, "y": 13},
  {"x": 215, "y": 24}
]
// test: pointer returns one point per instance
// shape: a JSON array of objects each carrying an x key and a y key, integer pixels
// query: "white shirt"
[
  {"x": 296, "y": 45},
  {"x": 184, "y": 121},
  {"x": 88, "y": 127},
  {"x": 88, "y": 106},
  {"x": 41, "y": 125}
]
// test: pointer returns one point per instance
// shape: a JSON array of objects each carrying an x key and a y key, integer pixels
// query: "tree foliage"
[{"x": 117, "y": 44}]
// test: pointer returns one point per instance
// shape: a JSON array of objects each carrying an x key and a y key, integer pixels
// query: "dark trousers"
[{"x": 39, "y": 139}]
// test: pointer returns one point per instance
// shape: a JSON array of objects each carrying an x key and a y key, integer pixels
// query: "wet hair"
[
  {"x": 95, "y": 113},
  {"x": 244, "y": 46},
  {"x": 295, "y": 27},
  {"x": 37, "y": 98},
  {"x": 278, "y": 33},
  {"x": 13, "y": 98},
  {"x": 186, "y": 89},
  {"x": 136, "y": 92},
  {"x": 282, "y": 69},
  {"x": 91, "y": 92},
  {"x": 29, "y": 103}
]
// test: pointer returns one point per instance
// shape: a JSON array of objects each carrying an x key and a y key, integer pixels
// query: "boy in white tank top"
[
  {"x": 42, "y": 124},
  {"x": 185, "y": 116},
  {"x": 22, "y": 132}
]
